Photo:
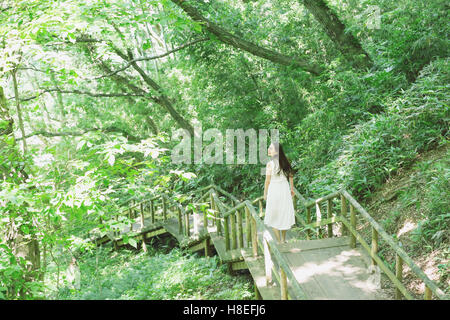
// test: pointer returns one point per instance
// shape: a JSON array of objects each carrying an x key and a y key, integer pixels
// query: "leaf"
[
  {"x": 81, "y": 144},
  {"x": 25, "y": 229},
  {"x": 111, "y": 159},
  {"x": 132, "y": 242}
]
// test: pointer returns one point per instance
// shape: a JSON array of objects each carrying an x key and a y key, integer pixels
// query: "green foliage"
[
  {"x": 345, "y": 128},
  {"x": 374, "y": 150},
  {"x": 435, "y": 223},
  {"x": 158, "y": 275}
]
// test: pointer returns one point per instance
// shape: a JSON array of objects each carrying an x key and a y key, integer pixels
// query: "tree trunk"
[
  {"x": 19, "y": 111},
  {"x": 25, "y": 246},
  {"x": 245, "y": 45},
  {"x": 346, "y": 43},
  {"x": 162, "y": 99}
]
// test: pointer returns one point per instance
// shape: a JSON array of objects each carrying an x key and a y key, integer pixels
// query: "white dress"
[{"x": 279, "y": 206}]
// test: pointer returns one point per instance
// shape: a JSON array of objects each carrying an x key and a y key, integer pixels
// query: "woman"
[{"x": 279, "y": 206}]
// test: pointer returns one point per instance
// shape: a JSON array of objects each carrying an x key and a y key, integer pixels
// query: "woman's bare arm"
[
  {"x": 291, "y": 182},
  {"x": 268, "y": 176}
]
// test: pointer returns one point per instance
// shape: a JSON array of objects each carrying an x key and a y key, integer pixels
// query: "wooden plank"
[
  {"x": 171, "y": 226},
  {"x": 310, "y": 287},
  {"x": 296, "y": 289},
  {"x": 238, "y": 265},
  {"x": 196, "y": 247},
  {"x": 256, "y": 267},
  {"x": 304, "y": 245},
  {"x": 224, "y": 255},
  {"x": 323, "y": 222},
  {"x": 333, "y": 273},
  {"x": 153, "y": 233}
]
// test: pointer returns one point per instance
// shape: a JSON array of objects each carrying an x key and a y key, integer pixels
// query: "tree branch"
[
  {"x": 245, "y": 45},
  {"x": 75, "y": 91},
  {"x": 130, "y": 63},
  {"x": 80, "y": 133},
  {"x": 162, "y": 99}
]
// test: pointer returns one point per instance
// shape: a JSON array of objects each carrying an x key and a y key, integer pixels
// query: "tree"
[
  {"x": 242, "y": 44},
  {"x": 347, "y": 44}
]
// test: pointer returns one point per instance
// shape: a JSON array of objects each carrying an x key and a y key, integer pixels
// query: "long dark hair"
[{"x": 283, "y": 160}]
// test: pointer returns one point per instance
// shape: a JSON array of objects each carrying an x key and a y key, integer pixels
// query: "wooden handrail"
[
  {"x": 398, "y": 250},
  {"x": 225, "y": 193},
  {"x": 225, "y": 212},
  {"x": 309, "y": 204},
  {"x": 281, "y": 260}
]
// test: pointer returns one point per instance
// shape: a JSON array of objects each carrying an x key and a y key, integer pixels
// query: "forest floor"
[
  {"x": 402, "y": 204},
  {"x": 161, "y": 274}
]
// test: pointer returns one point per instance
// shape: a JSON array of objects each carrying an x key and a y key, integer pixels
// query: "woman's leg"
[
  {"x": 277, "y": 234},
  {"x": 283, "y": 236}
]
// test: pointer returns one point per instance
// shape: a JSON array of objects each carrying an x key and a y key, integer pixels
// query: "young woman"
[{"x": 278, "y": 192}]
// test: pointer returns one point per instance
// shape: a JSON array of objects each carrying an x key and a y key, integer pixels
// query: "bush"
[
  {"x": 155, "y": 276},
  {"x": 376, "y": 149}
]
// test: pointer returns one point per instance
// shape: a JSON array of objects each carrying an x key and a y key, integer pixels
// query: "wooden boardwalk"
[{"x": 315, "y": 269}]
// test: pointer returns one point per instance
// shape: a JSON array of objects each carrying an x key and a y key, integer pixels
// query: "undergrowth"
[{"x": 157, "y": 275}]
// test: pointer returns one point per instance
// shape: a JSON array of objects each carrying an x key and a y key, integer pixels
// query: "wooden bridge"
[{"x": 328, "y": 258}]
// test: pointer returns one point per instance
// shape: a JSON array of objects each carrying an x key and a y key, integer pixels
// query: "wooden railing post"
[
  {"x": 318, "y": 219},
  {"x": 248, "y": 225},
  {"x": 240, "y": 228},
  {"x": 233, "y": 230},
  {"x": 142, "y": 215},
  {"x": 267, "y": 262},
  {"x": 164, "y": 209},
  {"x": 180, "y": 222},
  {"x": 187, "y": 223},
  {"x": 398, "y": 274},
  {"x": 141, "y": 207},
  {"x": 226, "y": 230},
  {"x": 329, "y": 215},
  {"x": 374, "y": 248},
  {"x": 308, "y": 221},
  {"x": 213, "y": 207},
  {"x": 283, "y": 285},
  {"x": 196, "y": 221},
  {"x": 260, "y": 207},
  {"x": 344, "y": 213},
  {"x": 254, "y": 237},
  {"x": 294, "y": 202},
  {"x": 353, "y": 224},
  {"x": 428, "y": 293},
  {"x": 219, "y": 223},
  {"x": 116, "y": 229},
  {"x": 152, "y": 211}
]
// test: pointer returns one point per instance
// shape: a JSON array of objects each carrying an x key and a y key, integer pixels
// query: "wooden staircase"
[{"x": 317, "y": 262}]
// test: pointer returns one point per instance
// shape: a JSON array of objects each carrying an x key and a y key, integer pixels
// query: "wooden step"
[
  {"x": 304, "y": 245},
  {"x": 224, "y": 255},
  {"x": 171, "y": 225},
  {"x": 329, "y": 269},
  {"x": 256, "y": 267}
]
